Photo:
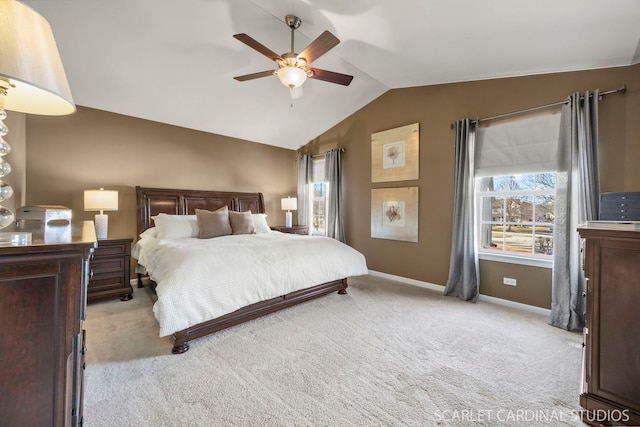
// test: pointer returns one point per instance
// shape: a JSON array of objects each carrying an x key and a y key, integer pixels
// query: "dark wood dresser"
[
  {"x": 611, "y": 377},
  {"x": 109, "y": 270},
  {"x": 42, "y": 306}
]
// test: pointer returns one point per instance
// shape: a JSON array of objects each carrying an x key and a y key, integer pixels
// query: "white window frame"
[{"x": 535, "y": 260}]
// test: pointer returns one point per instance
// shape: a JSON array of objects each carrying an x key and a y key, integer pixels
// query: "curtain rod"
[
  {"x": 622, "y": 89},
  {"x": 322, "y": 154}
]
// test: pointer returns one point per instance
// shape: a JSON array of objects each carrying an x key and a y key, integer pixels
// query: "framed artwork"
[
  {"x": 394, "y": 213},
  {"x": 395, "y": 154}
]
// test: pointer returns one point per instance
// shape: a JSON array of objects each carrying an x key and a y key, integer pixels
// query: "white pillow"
[
  {"x": 176, "y": 226},
  {"x": 149, "y": 232},
  {"x": 260, "y": 221}
]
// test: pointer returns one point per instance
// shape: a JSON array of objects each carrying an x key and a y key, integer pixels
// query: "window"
[
  {"x": 515, "y": 188},
  {"x": 318, "y": 191},
  {"x": 318, "y": 208},
  {"x": 516, "y": 214}
]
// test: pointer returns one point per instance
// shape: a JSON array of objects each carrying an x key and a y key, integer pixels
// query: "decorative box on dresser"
[
  {"x": 611, "y": 377},
  {"x": 109, "y": 270},
  {"x": 42, "y": 306},
  {"x": 296, "y": 229},
  {"x": 620, "y": 206}
]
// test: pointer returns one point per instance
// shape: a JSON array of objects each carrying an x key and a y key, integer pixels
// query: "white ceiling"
[{"x": 173, "y": 61}]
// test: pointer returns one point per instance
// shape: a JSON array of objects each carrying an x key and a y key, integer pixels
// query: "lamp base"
[
  {"x": 6, "y": 217},
  {"x": 288, "y": 219},
  {"x": 102, "y": 224}
]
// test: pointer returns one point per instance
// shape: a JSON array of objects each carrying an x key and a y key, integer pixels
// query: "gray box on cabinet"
[{"x": 620, "y": 206}]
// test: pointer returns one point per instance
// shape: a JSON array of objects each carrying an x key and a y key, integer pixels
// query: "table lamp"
[
  {"x": 289, "y": 204},
  {"x": 101, "y": 200},
  {"x": 32, "y": 79}
]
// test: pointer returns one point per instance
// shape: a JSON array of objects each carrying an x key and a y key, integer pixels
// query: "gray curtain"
[
  {"x": 305, "y": 172},
  {"x": 577, "y": 192},
  {"x": 464, "y": 280},
  {"x": 333, "y": 175}
]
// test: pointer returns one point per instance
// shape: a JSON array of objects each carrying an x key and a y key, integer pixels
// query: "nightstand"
[
  {"x": 109, "y": 270},
  {"x": 296, "y": 229}
]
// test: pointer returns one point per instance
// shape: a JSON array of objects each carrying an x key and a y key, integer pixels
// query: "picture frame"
[
  {"x": 394, "y": 213},
  {"x": 395, "y": 154}
]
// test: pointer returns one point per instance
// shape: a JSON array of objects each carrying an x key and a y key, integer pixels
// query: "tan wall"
[
  {"x": 435, "y": 108},
  {"x": 92, "y": 149}
]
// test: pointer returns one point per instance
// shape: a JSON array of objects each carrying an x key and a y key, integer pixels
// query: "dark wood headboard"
[{"x": 153, "y": 201}]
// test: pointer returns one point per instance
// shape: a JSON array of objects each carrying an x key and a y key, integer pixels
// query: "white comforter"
[{"x": 201, "y": 279}]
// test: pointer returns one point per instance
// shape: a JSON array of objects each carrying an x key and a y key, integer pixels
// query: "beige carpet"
[{"x": 386, "y": 354}]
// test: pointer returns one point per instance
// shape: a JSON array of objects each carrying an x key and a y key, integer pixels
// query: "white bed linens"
[{"x": 201, "y": 279}]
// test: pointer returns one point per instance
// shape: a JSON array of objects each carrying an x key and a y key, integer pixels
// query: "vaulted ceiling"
[{"x": 173, "y": 61}]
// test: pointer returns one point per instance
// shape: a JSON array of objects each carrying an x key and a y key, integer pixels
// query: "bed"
[{"x": 205, "y": 285}]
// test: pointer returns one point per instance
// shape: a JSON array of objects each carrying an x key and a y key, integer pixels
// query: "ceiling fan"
[{"x": 293, "y": 68}]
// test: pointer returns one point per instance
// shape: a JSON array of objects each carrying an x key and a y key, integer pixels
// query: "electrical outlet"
[{"x": 509, "y": 281}]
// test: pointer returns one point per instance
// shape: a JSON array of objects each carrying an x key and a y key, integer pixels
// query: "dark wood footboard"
[{"x": 253, "y": 311}]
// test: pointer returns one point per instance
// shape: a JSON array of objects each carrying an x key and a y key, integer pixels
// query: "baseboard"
[
  {"x": 414, "y": 282},
  {"x": 485, "y": 298}
]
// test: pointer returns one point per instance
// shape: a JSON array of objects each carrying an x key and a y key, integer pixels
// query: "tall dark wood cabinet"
[
  {"x": 43, "y": 287},
  {"x": 611, "y": 378}
]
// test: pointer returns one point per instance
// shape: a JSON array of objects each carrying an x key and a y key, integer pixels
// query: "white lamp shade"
[
  {"x": 29, "y": 59},
  {"x": 100, "y": 200},
  {"x": 289, "y": 204},
  {"x": 291, "y": 76}
]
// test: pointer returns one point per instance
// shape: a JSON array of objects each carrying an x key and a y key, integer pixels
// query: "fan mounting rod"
[{"x": 294, "y": 23}]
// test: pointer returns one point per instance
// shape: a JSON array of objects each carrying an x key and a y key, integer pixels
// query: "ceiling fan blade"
[
  {"x": 319, "y": 47},
  {"x": 330, "y": 76},
  {"x": 255, "y": 75},
  {"x": 254, "y": 44}
]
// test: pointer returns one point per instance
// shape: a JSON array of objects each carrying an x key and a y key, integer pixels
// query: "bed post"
[
  {"x": 344, "y": 290},
  {"x": 180, "y": 344}
]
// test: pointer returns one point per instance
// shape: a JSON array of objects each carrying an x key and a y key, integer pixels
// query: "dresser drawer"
[
  {"x": 620, "y": 208},
  {"x": 619, "y": 217},
  {"x": 616, "y": 197}
]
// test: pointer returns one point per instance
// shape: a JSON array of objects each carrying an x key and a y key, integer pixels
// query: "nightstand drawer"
[
  {"x": 111, "y": 250},
  {"x": 106, "y": 280},
  {"x": 107, "y": 265}
]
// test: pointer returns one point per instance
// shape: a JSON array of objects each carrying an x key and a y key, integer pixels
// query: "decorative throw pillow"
[
  {"x": 175, "y": 226},
  {"x": 242, "y": 222},
  {"x": 213, "y": 224},
  {"x": 260, "y": 221}
]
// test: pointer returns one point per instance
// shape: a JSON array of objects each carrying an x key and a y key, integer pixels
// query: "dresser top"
[{"x": 34, "y": 236}]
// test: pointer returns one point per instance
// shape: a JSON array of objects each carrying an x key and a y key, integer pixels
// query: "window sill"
[{"x": 515, "y": 259}]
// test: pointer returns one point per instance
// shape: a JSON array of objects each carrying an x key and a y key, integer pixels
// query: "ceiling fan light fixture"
[{"x": 291, "y": 76}]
